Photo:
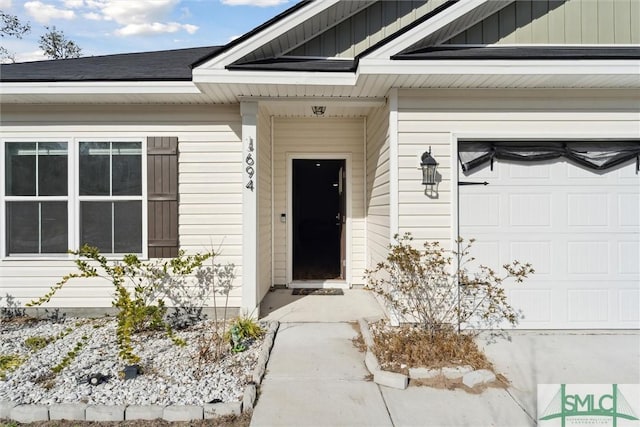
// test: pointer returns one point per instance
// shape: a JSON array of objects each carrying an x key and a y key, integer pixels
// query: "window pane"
[
  {"x": 52, "y": 169},
  {"x": 94, "y": 168},
  {"x": 127, "y": 168},
  {"x": 128, "y": 227},
  {"x": 95, "y": 225},
  {"x": 20, "y": 169},
  {"x": 54, "y": 227},
  {"x": 22, "y": 227}
]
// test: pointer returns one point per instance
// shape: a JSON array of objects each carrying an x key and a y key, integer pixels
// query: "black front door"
[{"x": 318, "y": 219}]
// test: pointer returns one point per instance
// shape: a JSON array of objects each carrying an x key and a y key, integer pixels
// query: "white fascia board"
[
  {"x": 499, "y": 67},
  {"x": 88, "y": 88},
  {"x": 266, "y": 35},
  {"x": 426, "y": 28},
  {"x": 311, "y": 78}
]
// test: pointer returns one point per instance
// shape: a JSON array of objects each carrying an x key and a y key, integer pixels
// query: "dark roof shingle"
[{"x": 174, "y": 65}]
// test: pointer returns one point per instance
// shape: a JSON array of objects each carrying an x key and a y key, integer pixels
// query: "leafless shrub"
[{"x": 426, "y": 288}]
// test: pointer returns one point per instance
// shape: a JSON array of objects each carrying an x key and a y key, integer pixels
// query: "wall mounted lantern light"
[
  {"x": 318, "y": 110},
  {"x": 429, "y": 166}
]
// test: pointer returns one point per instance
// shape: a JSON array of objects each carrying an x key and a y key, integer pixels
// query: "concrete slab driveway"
[
  {"x": 565, "y": 357},
  {"x": 316, "y": 377}
]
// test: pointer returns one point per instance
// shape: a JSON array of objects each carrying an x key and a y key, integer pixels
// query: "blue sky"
[{"x": 103, "y": 27}]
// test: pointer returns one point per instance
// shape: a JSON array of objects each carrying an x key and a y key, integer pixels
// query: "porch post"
[{"x": 249, "y": 112}]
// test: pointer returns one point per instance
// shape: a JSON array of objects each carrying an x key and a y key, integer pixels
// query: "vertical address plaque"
[{"x": 250, "y": 162}]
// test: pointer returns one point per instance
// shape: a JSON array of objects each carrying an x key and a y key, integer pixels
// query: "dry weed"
[{"x": 408, "y": 346}]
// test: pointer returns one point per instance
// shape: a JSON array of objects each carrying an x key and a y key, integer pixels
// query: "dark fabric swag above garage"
[{"x": 595, "y": 155}]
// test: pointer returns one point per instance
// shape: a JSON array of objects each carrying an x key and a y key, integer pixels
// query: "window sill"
[{"x": 64, "y": 257}]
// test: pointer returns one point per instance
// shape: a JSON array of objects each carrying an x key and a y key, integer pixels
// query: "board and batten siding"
[
  {"x": 265, "y": 199},
  {"x": 377, "y": 198},
  {"x": 319, "y": 135},
  {"x": 558, "y": 22},
  {"x": 209, "y": 184},
  {"x": 354, "y": 35},
  {"x": 434, "y": 117}
]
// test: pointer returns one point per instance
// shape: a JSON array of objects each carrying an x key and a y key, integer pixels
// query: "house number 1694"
[{"x": 249, "y": 169}]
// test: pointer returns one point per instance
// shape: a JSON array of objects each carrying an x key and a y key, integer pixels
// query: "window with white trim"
[
  {"x": 36, "y": 197},
  {"x": 110, "y": 195},
  {"x": 48, "y": 210}
]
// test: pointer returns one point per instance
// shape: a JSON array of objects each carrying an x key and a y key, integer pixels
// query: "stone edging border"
[
  {"x": 470, "y": 378},
  {"x": 84, "y": 412}
]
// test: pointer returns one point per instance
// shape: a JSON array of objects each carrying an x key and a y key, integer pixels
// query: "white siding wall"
[
  {"x": 377, "y": 200},
  {"x": 264, "y": 204},
  {"x": 319, "y": 136},
  {"x": 210, "y": 176},
  {"x": 432, "y": 118}
]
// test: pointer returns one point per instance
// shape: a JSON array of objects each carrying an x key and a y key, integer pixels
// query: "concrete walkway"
[
  {"x": 316, "y": 377},
  {"x": 282, "y": 306}
]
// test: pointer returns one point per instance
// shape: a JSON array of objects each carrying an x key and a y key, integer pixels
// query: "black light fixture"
[
  {"x": 429, "y": 166},
  {"x": 318, "y": 110}
]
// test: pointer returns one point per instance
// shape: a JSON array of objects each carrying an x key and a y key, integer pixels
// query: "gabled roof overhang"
[
  {"x": 398, "y": 58},
  {"x": 223, "y": 68},
  {"x": 393, "y": 62},
  {"x": 209, "y": 70}
]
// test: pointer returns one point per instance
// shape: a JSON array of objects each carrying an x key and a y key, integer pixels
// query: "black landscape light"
[
  {"x": 132, "y": 371},
  {"x": 96, "y": 379}
]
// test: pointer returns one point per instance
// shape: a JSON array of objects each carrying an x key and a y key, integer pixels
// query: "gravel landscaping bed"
[
  {"x": 172, "y": 375},
  {"x": 230, "y": 421}
]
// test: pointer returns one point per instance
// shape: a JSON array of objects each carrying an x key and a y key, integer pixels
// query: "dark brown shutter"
[{"x": 162, "y": 196}]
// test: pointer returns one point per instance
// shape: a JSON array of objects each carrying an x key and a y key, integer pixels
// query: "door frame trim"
[{"x": 289, "y": 185}]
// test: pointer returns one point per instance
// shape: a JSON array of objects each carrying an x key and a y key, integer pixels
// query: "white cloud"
[
  {"x": 92, "y": 16},
  {"x": 133, "y": 17},
  {"x": 44, "y": 13},
  {"x": 36, "y": 55},
  {"x": 155, "y": 28},
  {"x": 73, "y": 4},
  {"x": 137, "y": 12},
  {"x": 139, "y": 17},
  {"x": 94, "y": 4},
  {"x": 189, "y": 28},
  {"x": 5, "y": 4},
  {"x": 259, "y": 3},
  {"x": 232, "y": 38}
]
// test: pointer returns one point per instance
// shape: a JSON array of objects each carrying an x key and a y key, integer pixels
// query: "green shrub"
[
  {"x": 72, "y": 354},
  {"x": 139, "y": 291},
  {"x": 37, "y": 342},
  {"x": 241, "y": 330},
  {"x": 8, "y": 363}
]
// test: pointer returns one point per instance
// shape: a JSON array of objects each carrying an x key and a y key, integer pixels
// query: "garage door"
[{"x": 578, "y": 227}]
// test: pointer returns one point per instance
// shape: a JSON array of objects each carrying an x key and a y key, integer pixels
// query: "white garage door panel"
[{"x": 580, "y": 229}]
